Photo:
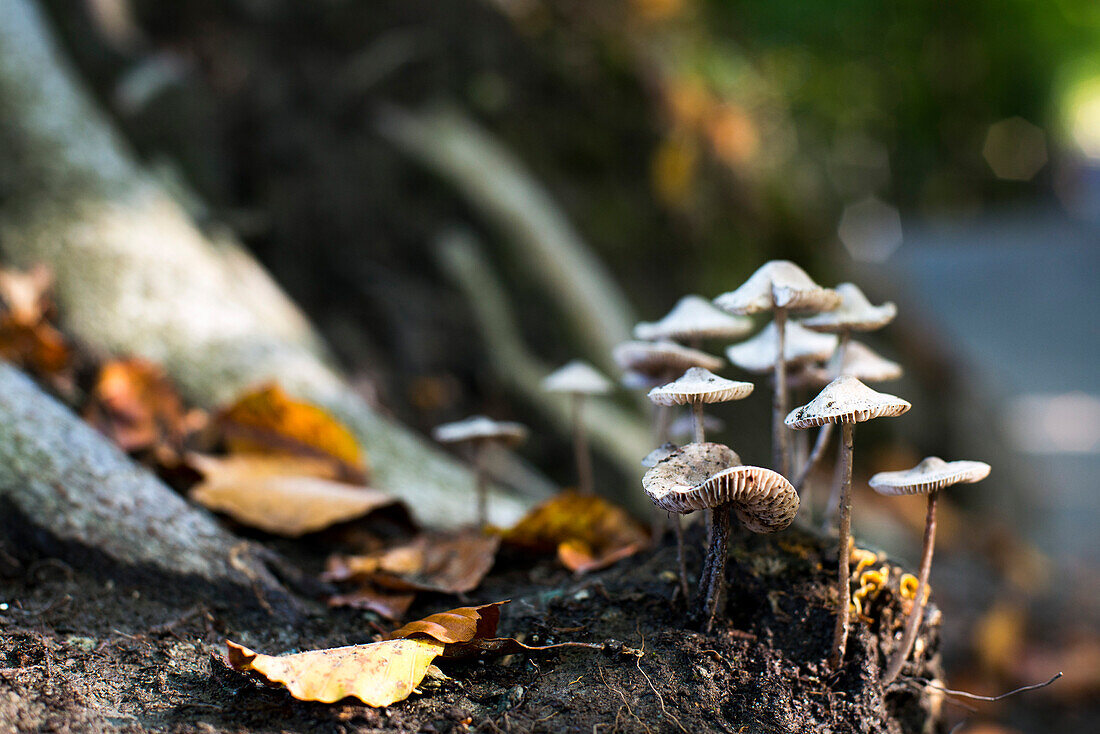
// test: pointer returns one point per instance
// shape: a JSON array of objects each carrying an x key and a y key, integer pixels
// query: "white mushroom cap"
[
  {"x": 577, "y": 377},
  {"x": 855, "y": 312},
  {"x": 632, "y": 380},
  {"x": 658, "y": 454},
  {"x": 778, "y": 284},
  {"x": 694, "y": 317},
  {"x": 931, "y": 474},
  {"x": 799, "y": 345},
  {"x": 683, "y": 470},
  {"x": 846, "y": 400},
  {"x": 684, "y": 426},
  {"x": 480, "y": 428},
  {"x": 698, "y": 385},
  {"x": 763, "y": 499},
  {"x": 658, "y": 358},
  {"x": 861, "y": 362}
]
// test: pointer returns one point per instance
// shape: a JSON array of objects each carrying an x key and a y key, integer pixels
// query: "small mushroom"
[
  {"x": 658, "y": 454},
  {"x": 846, "y": 401},
  {"x": 479, "y": 432},
  {"x": 698, "y": 387},
  {"x": 701, "y": 476},
  {"x": 800, "y": 347},
  {"x": 579, "y": 379},
  {"x": 927, "y": 477},
  {"x": 691, "y": 320},
  {"x": 781, "y": 287},
  {"x": 855, "y": 313}
]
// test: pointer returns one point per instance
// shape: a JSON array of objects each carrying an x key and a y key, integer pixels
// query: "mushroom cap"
[
  {"x": 799, "y": 345},
  {"x": 778, "y": 284},
  {"x": 577, "y": 377},
  {"x": 683, "y": 470},
  {"x": 660, "y": 453},
  {"x": 480, "y": 428},
  {"x": 931, "y": 474},
  {"x": 861, "y": 362},
  {"x": 658, "y": 358},
  {"x": 855, "y": 312},
  {"x": 698, "y": 385},
  {"x": 632, "y": 380},
  {"x": 684, "y": 482},
  {"x": 694, "y": 317},
  {"x": 846, "y": 400}
]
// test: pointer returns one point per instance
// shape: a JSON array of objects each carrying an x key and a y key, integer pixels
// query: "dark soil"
[{"x": 82, "y": 654}]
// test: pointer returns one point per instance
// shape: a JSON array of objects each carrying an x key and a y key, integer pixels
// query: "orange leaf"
[
  {"x": 281, "y": 495},
  {"x": 135, "y": 405},
  {"x": 26, "y": 338},
  {"x": 383, "y": 603},
  {"x": 378, "y": 674},
  {"x": 457, "y": 625},
  {"x": 452, "y": 564},
  {"x": 269, "y": 421},
  {"x": 587, "y": 531}
]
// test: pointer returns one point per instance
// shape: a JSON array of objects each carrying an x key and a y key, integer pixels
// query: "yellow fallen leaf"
[
  {"x": 378, "y": 674},
  {"x": 277, "y": 494},
  {"x": 269, "y": 421}
]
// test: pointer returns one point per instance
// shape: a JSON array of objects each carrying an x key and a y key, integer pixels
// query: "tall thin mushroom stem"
[
  {"x": 826, "y": 431},
  {"x": 697, "y": 412},
  {"x": 840, "y": 632},
  {"x": 712, "y": 580},
  {"x": 779, "y": 401},
  {"x": 917, "y": 613},
  {"x": 580, "y": 446}
]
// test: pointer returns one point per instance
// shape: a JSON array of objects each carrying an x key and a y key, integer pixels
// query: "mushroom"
[
  {"x": 800, "y": 347},
  {"x": 855, "y": 313},
  {"x": 927, "y": 477},
  {"x": 691, "y": 320},
  {"x": 698, "y": 387},
  {"x": 781, "y": 287},
  {"x": 479, "y": 431},
  {"x": 702, "y": 476},
  {"x": 847, "y": 401},
  {"x": 579, "y": 379}
]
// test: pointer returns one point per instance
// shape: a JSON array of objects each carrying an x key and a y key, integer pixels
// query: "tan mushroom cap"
[
  {"x": 855, "y": 313},
  {"x": 931, "y": 474},
  {"x": 480, "y": 428},
  {"x": 778, "y": 284},
  {"x": 659, "y": 454},
  {"x": 846, "y": 400},
  {"x": 698, "y": 385},
  {"x": 658, "y": 358},
  {"x": 577, "y": 377},
  {"x": 861, "y": 362},
  {"x": 683, "y": 470},
  {"x": 799, "y": 345},
  {"x": 694, "y": 317},
  {"x": 763, "y": 500}
]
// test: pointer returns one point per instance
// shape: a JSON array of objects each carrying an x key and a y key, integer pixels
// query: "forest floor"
[{"x": 80, "y": 653}]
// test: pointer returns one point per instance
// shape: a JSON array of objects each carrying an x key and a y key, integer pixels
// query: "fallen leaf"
[
  {"x": 26, "y": 293},
  {"x": 443, "y": 563},
  {"x": 281, "y": 495},
  {"x": 26, "y": 337},
  {"x": 587, "y": 531},
  {"x": 455, "y": 626},
  {"x": 378, "y": 674},
  {"x": 269, "y": 421},
  {"x": 135, "y": 405},
  {"x": 387, "y": 604}
]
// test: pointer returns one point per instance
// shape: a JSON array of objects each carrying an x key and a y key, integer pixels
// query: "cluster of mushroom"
[{"x": 816, "y": 352}]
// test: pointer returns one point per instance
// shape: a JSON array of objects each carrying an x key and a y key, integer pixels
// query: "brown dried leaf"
[
  {"x": 26, "y": 337},
  {"x": 588, "y": 532},
  {"x": 383, "y": 603},
  {"x": 443, "y": 563},
  {"x": 281, "y": 495},
  {"x": 455, "y": 626},
  {"x": 378, "y": 674},
  {"x": 135, "y": 405},
  {"x": 269, "y": 421}
]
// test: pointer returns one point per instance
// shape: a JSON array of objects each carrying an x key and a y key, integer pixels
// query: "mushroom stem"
[
  {"x": 480, "y": 480},
  {"x": 681, "y": 557},
  {"x": 779, "y": 401},
  {"x": 832, "y": 507},
  {"x": 580, "y": 446},
  {"x": 916, "y": 614},
  {"x": 840, "y": 632},
  {"x": 826, "y": 431},
  {"x": 712, "y": 580},
  {"x": 697, "y": 411}
]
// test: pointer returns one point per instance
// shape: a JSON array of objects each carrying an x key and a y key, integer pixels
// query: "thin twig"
[{"x": 976, "y": 697}]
